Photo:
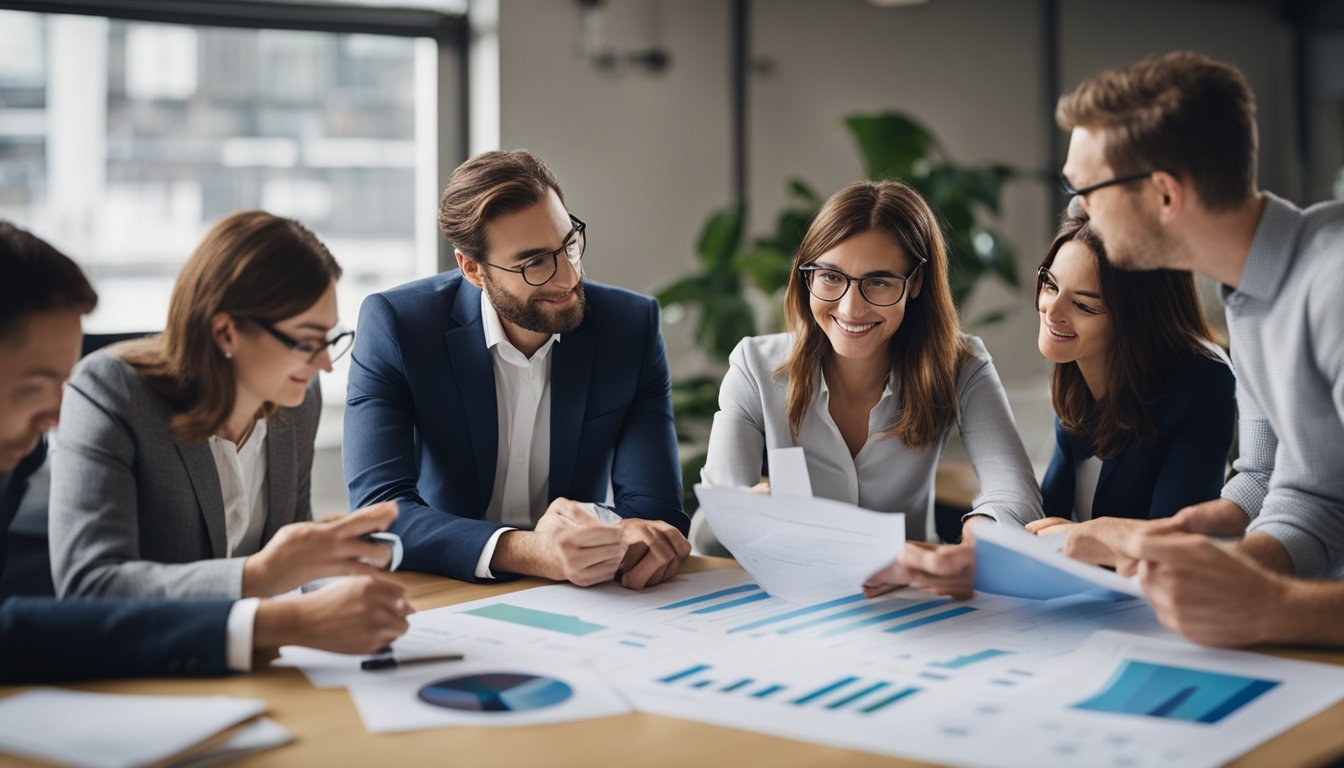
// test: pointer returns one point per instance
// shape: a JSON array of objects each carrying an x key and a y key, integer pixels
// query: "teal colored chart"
[
  {"x": 1175, "y": 693},
  {"x": 530, "y": 617}
]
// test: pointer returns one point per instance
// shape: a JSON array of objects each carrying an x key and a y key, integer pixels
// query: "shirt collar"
[
  {"x": 495, "y": 336},
  {"x": 825, "y": 390},
  {"x": 1272, "y": 250}
]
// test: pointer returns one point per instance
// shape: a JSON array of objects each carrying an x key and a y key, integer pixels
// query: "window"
[{"x": 123, "y": 141}]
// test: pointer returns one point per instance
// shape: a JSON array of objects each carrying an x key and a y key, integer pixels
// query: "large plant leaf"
[
  {"x": 720, "y": 238},
  {"x": 893, "y": 146},
  {"x": 726, "y": 320},
  {"x": 687, "y": 290}
]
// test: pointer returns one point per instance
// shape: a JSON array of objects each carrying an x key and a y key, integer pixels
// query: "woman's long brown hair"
[
  {"x": 926, "y": 351},
  {"x": 252, "y": 265},
  {"x": 1157, "y": 328}
]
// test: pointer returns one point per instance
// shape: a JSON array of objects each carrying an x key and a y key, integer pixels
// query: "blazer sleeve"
[
  {"x": 645, "y": 479},
  {"x": 737, "y": 436},
  {"x": 1196, "y": 461},
  {"x": 1008, "y": 489},
  {"x": 380, "y": 458},
  {"x": 44, "y": 640},
  {"x": 1058, "y": 486},
  {"x": 94, "y": 522}
]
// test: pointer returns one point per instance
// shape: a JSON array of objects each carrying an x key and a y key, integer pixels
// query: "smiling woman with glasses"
[
  {"x": 870, "y": 379},
  {"x": 186, "y": 457}
]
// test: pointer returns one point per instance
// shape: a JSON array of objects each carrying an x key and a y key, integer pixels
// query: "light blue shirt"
[{"x": 1286, "y": 320}]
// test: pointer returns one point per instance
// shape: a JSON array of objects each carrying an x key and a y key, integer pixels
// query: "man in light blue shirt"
[{"x": 1162, "y": 158}]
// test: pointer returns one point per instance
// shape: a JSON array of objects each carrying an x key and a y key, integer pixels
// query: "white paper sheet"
[
  {"x": 1009, "y": 561},
  {"x": 108, "y": 730},
  {"x": 802, "y": 548},
  {"x": 788, "y": 473},
  {"x": 257, "y": 736},
  {"x": 325, "y": 669}
]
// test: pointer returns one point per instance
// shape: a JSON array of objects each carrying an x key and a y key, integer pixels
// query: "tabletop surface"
[{"x": 328, "y": 731}]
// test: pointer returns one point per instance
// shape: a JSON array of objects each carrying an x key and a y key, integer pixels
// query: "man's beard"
[
  {"x": 1144, "y": 247},
  {"x": 529, "y": 314}
]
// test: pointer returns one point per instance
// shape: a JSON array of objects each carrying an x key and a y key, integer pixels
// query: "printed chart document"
[
  {"x": 106, "y": 730},
  {"x": 799, "y": 547},
  {"x": 1010, "y": 561}
]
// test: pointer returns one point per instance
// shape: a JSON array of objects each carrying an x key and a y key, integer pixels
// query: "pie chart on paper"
[{"x": 496, "y": 692}]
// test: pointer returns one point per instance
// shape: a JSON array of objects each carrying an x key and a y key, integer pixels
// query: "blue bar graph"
[
  {"x": 806, "y": 625},
  {"x": 741, "y": 601},
  {"x": 674, "y": 677},
  {"x": 888, "y": 616},
  {"x": 952, "y": 614},
  {"x": 888, "y": 701},
  {"x": 702, "y": 684},
  {"x": 853, "y": 697},
  {"x": 767, "y": 691},
  {"x": 933, "y": 675},
  {"x": 836, "y": 603},
  {"x": 825, "y": 689},
  {"x": 744, "y": 682},
  {"x": 1175, "y": 693},
  {"x": 969, "y": 659},
  {"x": 634, "y": 644},
  {"x": 711, "y": 596}
]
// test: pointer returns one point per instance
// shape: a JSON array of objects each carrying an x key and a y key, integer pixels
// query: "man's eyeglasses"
[
  {"x": 539, "y": 269},
  {"x": 830, "y": 284},
  {"x": 1067, "y": 186},
  {"x": 336, "y": 346}
]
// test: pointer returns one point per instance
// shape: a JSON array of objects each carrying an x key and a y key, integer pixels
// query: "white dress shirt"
[
  {"x": 242, "y": 483},
  {"x": 523, "y": 456},
  {"x": 886, "y": 475}
]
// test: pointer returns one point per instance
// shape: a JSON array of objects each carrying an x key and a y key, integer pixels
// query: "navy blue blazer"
[
  {"x": 421, "y": 421},
  {"x": 47, "y": 640},
  {"x": 1186, "y": 465}
]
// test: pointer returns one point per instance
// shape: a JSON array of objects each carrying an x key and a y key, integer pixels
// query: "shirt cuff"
[
  {"x": 238, "y": 634},
  {"x": 1310, "y": 557},
  {"x": 393, "y": 542},
  {"x": 603, "y": 513},
  {"x": 488, "y": 553},
  {"x": 985, "y": 511},
  {"x": 1246, "y": 492}
]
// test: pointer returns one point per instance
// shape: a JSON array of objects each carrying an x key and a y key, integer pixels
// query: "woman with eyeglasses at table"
[
  {"x": 1144, "y": 399},
  {"x": 869, "y": 381},
  {"x": 183, "y": 463}
]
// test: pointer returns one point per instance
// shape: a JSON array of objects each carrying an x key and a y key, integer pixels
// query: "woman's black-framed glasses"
[
  {"x": 539, "y": 269},
  {"x": 830, "y": 284},
  {"x": 336, "y": 346}
]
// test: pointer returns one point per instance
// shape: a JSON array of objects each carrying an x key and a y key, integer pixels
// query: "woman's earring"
[{"x": 228, "y": 355}]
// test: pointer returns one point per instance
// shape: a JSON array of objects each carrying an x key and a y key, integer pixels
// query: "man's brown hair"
[
  {"x": 1180, "y": 112},
  {"x": 489, "y": 185},
  {"x": 36, "y": 278}
]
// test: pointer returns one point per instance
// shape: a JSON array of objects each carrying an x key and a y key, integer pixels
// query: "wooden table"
[{"x": 328, "y": 731}]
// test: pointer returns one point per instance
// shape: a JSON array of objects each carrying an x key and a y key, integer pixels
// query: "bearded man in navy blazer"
[{"x": 500, "y": 403}]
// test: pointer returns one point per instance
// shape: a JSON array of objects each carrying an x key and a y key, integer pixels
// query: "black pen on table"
[{"x": 385, "y": 659}]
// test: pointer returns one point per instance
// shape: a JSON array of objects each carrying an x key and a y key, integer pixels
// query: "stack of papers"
[{"x": 106, "y": 730}]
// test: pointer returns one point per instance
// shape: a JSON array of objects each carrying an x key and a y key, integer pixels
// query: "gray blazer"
[{"x": 136, "y": 513}]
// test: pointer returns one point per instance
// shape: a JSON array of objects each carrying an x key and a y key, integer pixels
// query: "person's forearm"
[
  {"x": 276, "y": 624},
  {"x": 1312, "y": 613},
  {"x": 521, "y": 552},
  {"x": 1267, "y": 551}
]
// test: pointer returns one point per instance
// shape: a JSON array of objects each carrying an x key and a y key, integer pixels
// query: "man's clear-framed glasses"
[
  {"x": 881, "y": 290},
  {"x": 539, "y": 269},
  {"x": 336, "y": 346}
]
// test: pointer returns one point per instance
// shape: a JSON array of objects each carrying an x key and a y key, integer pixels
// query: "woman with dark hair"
[
  {"x": 870, "y": 380},
  {"x": 1144, "y": 399},
  {"x": 184, "y": 458}
]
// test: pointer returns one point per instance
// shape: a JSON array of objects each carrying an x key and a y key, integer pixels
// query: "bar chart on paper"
[
  {"x": 1175, "y": 693},
  {"x": 853, "y": 693}
]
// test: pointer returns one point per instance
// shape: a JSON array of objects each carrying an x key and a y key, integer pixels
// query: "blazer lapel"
[
  {"x": 571, "y": 367},
  {"x": 200, "y": 463},
  {"x": 281, "y": 466},
  {"x": 474, "y": 371}
]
